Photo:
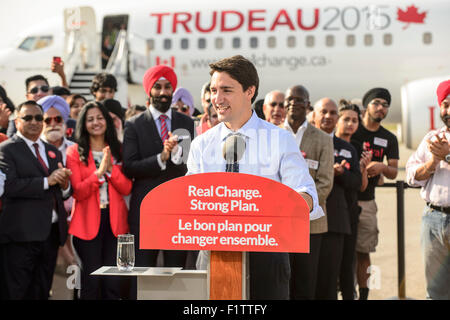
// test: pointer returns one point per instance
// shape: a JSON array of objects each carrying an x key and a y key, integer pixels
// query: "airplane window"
[
  {"x": 427, "y": 38},
  {"x": 350, "y": 40},
  {"x": 387, "y": 39},
  {"x": 219, "y": 43},
  {"x": 184, "y": 43},
  {"x": 368, "y": 40},
  {"x": 310, "y": 41},
  {"x": 28, "y": 43},
  {"x": 271, "y": 42},
  {"x": 43, "y": 41},
  {"x": 291, "y": 41},
  {"x": 236, "y": 43},
  {"x": 167, "y": 44},
  {"x": 35, "y": 43},
  {"x": 329, "y": 40},
  {"x": 253, "y": 42},
  {"x": 150, "y": 44},
  {"x": 201, "y": 43}
]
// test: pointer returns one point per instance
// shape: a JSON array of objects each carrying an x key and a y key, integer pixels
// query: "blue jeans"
[{"x": 435, "y": 240}]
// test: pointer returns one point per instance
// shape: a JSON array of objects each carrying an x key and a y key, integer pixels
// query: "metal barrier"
[{"x": 400, "y": 185}]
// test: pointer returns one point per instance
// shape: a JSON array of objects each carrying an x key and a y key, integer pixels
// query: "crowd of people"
[{"x": 73, "y": 174}]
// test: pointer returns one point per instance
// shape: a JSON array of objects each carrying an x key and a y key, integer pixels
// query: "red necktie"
[
  {"x": 41, "y": 161},
  {"x": 164, "y": 131}
]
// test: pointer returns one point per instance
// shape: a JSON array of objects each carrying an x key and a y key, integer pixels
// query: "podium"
[
  {"x": 164, "y": 283},
  {"x": 227, "y": 214}
]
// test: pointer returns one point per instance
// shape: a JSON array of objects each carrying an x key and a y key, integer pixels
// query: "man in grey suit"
[{"x": 317, "y": 149}]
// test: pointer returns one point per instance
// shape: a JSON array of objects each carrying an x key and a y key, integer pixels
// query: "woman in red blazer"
[{"x": 99, "y": 212}]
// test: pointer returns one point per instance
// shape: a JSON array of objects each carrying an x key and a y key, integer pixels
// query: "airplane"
[{"x": 335, "y": 49}]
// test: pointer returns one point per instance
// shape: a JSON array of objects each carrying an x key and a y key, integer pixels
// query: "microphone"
[{"x": 233, "y": 150}]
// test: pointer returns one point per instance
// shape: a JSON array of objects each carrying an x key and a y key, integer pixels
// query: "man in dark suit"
[
  {"x": 152, "y": 155},
  {"x": 33, "y": 220},
  {"x": 347, "y": 178}
]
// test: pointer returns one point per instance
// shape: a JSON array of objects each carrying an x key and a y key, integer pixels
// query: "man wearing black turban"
[{"x": 372, "y": 137}]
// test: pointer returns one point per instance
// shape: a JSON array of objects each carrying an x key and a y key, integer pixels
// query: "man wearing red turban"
[{"x": 152, "y": 156}]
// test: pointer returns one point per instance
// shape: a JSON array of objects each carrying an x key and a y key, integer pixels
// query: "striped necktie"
[{"x": 164, "y": 131}]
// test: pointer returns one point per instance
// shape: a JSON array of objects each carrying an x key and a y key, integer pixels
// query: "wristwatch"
[{"x": 447, "y": 158}]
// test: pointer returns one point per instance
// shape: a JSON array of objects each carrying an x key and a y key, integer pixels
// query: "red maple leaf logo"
[{"x": 411, "y": 15}]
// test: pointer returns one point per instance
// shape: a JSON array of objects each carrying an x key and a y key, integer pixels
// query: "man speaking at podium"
[{"x": 270, "y": 152}]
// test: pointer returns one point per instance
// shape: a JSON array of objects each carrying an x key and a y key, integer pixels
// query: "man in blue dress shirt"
[{"x": 270, "y": 152}]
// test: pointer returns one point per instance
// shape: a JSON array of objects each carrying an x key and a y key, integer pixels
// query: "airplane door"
[
  {"x": 112, "y": 25},
  {"x": 80, "y": 45}
]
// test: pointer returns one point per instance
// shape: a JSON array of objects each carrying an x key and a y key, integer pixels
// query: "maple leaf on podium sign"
[{"x": 411, "y": 15}]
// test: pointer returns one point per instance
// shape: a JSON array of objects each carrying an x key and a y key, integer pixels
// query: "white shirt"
[
  {"x": 62, "y": 148},
  {"x": 42, "y": 153},
  {"x": 299, "y": 134},
  {"x": 270, "y": 152},
  {"x": 177, "y": 151},
  {"x": 436, "y": 188}
]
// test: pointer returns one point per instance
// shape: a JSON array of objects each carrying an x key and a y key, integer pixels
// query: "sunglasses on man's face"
[
  {"x": 36, "y": 89},
  {"x": 57, "y": 119},
  {"x": 29, "y": 117}
]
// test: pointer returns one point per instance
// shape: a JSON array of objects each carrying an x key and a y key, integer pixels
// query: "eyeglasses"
[
  {"x": 29, "y": 117},
  {"x": 280, "y": 104},
  {"x": 58, "y": 119},
  {"x": 377, "y": 103},
  {"x": 35, "y": 90}
]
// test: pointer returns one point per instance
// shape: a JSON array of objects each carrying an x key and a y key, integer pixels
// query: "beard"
[
  {"x": 446, "y": 120},
  {"x": 55, "y": 135},
  {"x": 162, "y": 106}
]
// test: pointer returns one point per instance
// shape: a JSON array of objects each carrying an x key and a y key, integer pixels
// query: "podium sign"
[{"x": 224, "y": 212}]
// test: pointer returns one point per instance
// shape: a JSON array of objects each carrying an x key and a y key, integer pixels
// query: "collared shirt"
[
  {"x": 299, "y": 134},
  {"x": 176, "y": 155},
  {"x": 62, "y": 148},
  {"x": 270, "y": 152},
  {"x": 436, "y": 188},
  {"x": 42, "y": 153}
]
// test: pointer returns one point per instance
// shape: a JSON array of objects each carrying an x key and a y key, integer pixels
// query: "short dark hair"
[
  {"x": 34, "y": 78},
  {"x": 71, "y": 100},
  {"x": 61, "y": 91},
  {"x": 28, "y": 103},
  {"x": 240, "y": 69},
  {"x": 103, "y": 80}
]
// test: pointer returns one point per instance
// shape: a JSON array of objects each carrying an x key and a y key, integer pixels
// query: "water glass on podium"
[{"x": 125, "y": 252}]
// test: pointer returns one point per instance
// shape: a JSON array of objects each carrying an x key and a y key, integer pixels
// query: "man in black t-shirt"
[{"x": 371, "y": 136}]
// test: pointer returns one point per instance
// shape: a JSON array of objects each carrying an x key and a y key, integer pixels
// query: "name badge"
[
  {"x": 345, "y": 153},
  {"x": 380, "y": 142},
  {"x": 312, "y": 164}
]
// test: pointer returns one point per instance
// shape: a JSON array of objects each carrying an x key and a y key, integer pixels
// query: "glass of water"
[{"x": 125, "y": 252}]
